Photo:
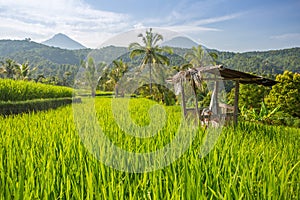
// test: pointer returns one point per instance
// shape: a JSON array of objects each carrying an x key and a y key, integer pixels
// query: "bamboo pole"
[
  {"x": 216, "y": 96},
  {"x": 183, "y": 105},
  {"x": 236, "y": 102},
  {"x": 196, "y": 100}
]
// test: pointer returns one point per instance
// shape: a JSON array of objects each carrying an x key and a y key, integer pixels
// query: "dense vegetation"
[
  {"x": 19, "y": 90},
  {"x": 45, "y": 158},
  {"x": 54, "y": 62},
  {"x": 59, "y": 67},
  {"x": 35, "y": 105}
]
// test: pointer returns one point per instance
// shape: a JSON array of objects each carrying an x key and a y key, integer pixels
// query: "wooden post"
[
  {"x": 183, "y": 105},
  {"x": 216, "y": 96},
  {"x": 196, "y": 100},
  {"x": 236, "y": 102}
]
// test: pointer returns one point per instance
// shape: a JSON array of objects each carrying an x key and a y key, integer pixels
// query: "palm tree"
[
  {"x": 114, "y": 76},
  {"x": 214, "y": 56},
  {"x": 195, "y": 56},
  {"x": 23, "y": 71},
  {"x": 8, "y": 68},
  {"x": 92, "y": 74},
  {"x": 182, "y": 67},
  {"x": 151, "y": 51}
]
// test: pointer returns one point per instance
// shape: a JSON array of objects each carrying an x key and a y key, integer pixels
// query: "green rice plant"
[
  {"x": 12, "y": 90},
  {"x": 42, "y": 157},
  {"x": 17, "y": 107}
]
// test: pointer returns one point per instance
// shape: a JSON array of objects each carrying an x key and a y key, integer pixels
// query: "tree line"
[{"x": 283, "y": 97}]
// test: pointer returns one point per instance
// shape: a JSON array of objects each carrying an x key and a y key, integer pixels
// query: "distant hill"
[
  {"x": 37, "y": 54},
  {"x": 63, "y": 41},
  {"x": 52, "y": 60},
  {"x": 181, "y": 42}
]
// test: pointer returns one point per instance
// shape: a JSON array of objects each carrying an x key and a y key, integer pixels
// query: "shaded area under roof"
[{"x": 230, "y": 74}]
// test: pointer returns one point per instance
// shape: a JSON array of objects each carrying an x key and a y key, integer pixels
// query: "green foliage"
[
  {"x": 49, "y": 59},
  {"x": 263, "y": 63},
  {"x": 22, "y": 51},
  {"x": 17, "y": 107},
  {"x": 92, "y": 73},
  {"x": 8, "y": 68},
  {"x": 12, "y": 90},
  {"x": 265, "y": 115},
  {"x": 283, "y": 99},
  {"x": 195, "y": 56},
  {"x": 250, "y": 96},
  {"x": 150, "y": 51},
  {"x": 160, "y": 94},
  {"x": 118, "y": 71},
  {"x": 44, "y": 158},
  {"x": 286, "y": 93}
]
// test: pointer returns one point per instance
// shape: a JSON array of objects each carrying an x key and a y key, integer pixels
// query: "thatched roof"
[{"x": 221, "y": 73}]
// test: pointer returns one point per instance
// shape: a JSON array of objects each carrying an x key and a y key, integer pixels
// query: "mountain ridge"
[
  {"x": 180, "y": 42},
  {"x": 51, "y": 58},
  {"x": 63, "y": 41}
]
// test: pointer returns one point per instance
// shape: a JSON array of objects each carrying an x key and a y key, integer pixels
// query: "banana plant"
[{"x": 264, "y": 115}]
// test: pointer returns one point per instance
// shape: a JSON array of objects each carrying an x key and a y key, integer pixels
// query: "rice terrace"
[{"x": 148, "y": 121}]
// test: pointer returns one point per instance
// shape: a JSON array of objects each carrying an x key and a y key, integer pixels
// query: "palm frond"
[
  {"x": 161, "y": 59},
  {"x": 134, "y": 45},
  {"x": 136, "y": 52}
]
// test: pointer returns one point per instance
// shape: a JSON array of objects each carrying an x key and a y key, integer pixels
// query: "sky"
[{"x": 227, "y": 25}]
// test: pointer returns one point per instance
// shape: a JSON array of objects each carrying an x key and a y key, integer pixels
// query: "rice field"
[
  {"x": 43, "y": 156},
  {"x": 19, "y": 90}
]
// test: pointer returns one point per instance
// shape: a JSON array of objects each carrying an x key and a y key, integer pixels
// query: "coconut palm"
[
  {"x": 151, "y": 51},
  {"x": 195, "y": 56},
  {"x": 182, "y": 67},
  {"x": 118, "y": 71},
  {"x": 214, "y": 56},
  {"x": 8, "y": 68},
  {"x": 23, "y": 71},
  {"x": 92, "y": 72}
]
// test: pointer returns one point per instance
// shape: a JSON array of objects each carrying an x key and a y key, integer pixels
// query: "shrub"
[
  {"x": 12, "y": 90},
  {"x": 8, "y": 108}
]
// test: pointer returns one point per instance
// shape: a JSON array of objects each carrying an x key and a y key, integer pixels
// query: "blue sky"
[{"x": 229, "y": 25}]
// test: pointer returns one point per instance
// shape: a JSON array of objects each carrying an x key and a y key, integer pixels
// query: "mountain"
[
  {"x": 51, "y": 61},
  {"x": 64, "y": 42},
  {"x": 36, "y": 53},
  {"x": 181, "y": 42}
]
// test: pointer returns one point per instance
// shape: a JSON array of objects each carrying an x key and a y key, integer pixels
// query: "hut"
[{"x": 217, "y": 73}]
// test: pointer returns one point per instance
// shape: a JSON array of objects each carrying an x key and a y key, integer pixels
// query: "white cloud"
[
  {"x": 217, "y": 19},
  {"x": 191, "y": 29},
  {"x": 287, "y": 36},
  {"x": 138, "y": 26},
  {"x": 189, "y": 23},
  {"x": 42, "y": 19}
]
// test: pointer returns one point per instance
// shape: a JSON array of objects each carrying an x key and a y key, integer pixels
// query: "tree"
[
  {"x": 23, "y": 71},
  {"x": 214, "y": 56},
  {"x": 286, "y": 94},
  {"x": 250, "y": 96},
  {"x": 182, "y": 67},
  {"x": 92, "y": 74},
  {"x": 151, "y": 51},
  {"x": 118, "y": 71},
  {"x": 195, "y": 56},
  {"x": 8, "y": 68}
]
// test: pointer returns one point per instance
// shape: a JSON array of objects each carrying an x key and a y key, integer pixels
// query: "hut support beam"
[
  {"x": 216, "y": 97},
  {"x": 236, "y": 102},
  {"x": 183, "y": 105},
  {"x": 196, "y": 100}
]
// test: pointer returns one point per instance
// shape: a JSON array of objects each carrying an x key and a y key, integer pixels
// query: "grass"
[
  {"x": 42, "y": 156},
  {"x": 19, "y": 90}
]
